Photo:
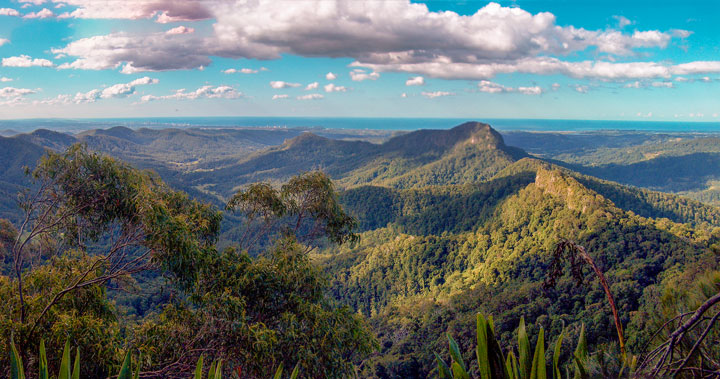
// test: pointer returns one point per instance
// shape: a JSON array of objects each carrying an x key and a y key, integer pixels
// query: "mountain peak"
[{"x": 446, "y": 139}]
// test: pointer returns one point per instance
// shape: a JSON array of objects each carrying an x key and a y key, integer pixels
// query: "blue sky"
[{"x": 619, "y": 60}]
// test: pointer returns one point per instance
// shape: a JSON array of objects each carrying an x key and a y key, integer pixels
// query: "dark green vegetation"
[
  {"x": 90, "y": 222},
  {"x": 450, "y": 223}
]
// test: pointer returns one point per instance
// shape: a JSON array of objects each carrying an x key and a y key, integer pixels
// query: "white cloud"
[
  {"x": 432, "y": 95},
  {"x": 312, "y": 86},
  {"x": 330, "y": 76},
  {"x": 153, "y": 52},
  {"x": 279, "y": 84},
  {"x": 556, "y": 86},
  {"x": 242, "y": 71},
  {"x": 333, "y": 88},
  {"x": 5, "y": 80},
  {"x": 181, "y": 30},
  {"x": 12, "y": 92},
  {"x": 278, "y": 97},
  {"x": 42, "y": 14},
  {"x": 635, "y": 84},
  {"x": 9, "y": 12},
  {"x": 415, "y": 81},
  {"x": 403, "y": 95},
  {"x": 33, "y": 2},
  {"x": 698, "y": 67},
  {"x": 165, "y": 10},
  {"x": 4, "y": 41},
  {"x": 26, "y": 61},
  {"x": 126, "y": 89},
  {"x": 312, "y": 96},
  {"x": 581, "y": 88},
  {"x": 382, "y": 35},
  {"x": 358, "y": 75},
  {"x": 534, "y": 90},
  {"x": 622, "y": 21},
  {"x": 205, "y": 92},
  {"x": 491, "y": 87},
  {"x": 663, "y": 84}
]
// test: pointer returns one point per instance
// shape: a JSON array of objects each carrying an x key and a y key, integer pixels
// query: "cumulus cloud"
[
  {"x": 382, "y": 35},
  {"x": 181, "y": 30},
  {"x": 663, "y": 84},
  {"x": 44, "y": 13},
  {"x": 9, "y": 12},
  {"x": 534, "y": 90},
  {"x": 12, "y": 92},
  {"x": 26, "y": 61},
  {"x": 204, "y": 92},
  {"x": 330, "y": 76},
  {"x": 279, "y": 84},
  {"x": 333, "y": 88},
  {"x": 5, "y": 80},
  {"x": 432, "y": 95},
  {"x": 126, "y": 89},
  {"x": 242, "y": 71},
  {"x": 312, "y": 86},
  {"x": 278, "y": 97},
  {"x": 153, "y": 52},
  {"x": 622, "y": 21},
  {"x": 165, "y": 10},
  {"x": 120, "y": 90},
  {"x": 581, "y": 88},
  {"x": 358, "y": 75},
  {"x": 415, "y": 81},
  {"x": 4, "y": 41},
  {"x": 492, "y": 87},
  {"x": 312, "y": 96},
  {"x": 556, "y": 86}
]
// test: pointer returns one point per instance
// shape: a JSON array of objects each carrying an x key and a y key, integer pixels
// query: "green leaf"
[
  {"x": 295, "y": 371},
  {"x": 199, "y": 368},
  {"x": 211, "y": 371},
  {"x": 443, "y": 369},
  {"x": 65, "y": 362},
  {"x": 556, "y": 356},
  {"x": 580, "y": 370},
  {"x": 458, "y": 371},
  {"x": 43, "y": 365},
  {"x": 455, "y": 352},
  {"x": 538, "y": 364},
  {"x": 524, "y": 350},
  {"x": 76, "y": 365},
  {"x": 16, "y": 366},
  {"x": 278, "y": 373},
  {"x": 481, "y": 351},
  {"x": 580, "y": 356},
  {"x": 496, "y": 359},
  {"x": 218, "y": 370},
  {"x": 137, "y": 369},
  {"x": 512, "y": 366},
  {"x": 125, "y": 371}
]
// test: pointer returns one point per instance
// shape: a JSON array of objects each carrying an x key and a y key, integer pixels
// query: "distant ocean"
[{"x": 540, "y": 125}]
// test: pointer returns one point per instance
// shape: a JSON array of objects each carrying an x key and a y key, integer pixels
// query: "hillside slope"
[
  {"x": 466, "y": 153},
  {"x": 448, "y": 253}
]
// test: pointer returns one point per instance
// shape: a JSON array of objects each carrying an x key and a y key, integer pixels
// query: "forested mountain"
[
  {"x": 451, "y": 223},
  {"x": 445, "y": 254},
  {"x": 466, "y": 153}
]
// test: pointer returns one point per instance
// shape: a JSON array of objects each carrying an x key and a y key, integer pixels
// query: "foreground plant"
[{"x": 493, "y": 364}]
